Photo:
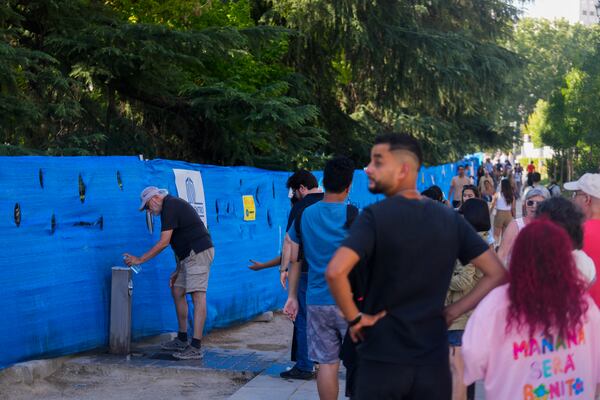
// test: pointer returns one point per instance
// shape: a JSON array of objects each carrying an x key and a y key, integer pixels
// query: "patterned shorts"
[{"x": 326, "y": 330}]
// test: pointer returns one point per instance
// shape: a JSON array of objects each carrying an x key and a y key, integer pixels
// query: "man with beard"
[{"x": 410, "y": 245}]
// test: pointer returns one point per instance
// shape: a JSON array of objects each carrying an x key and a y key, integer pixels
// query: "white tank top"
[{"x": 501, "y": 204}]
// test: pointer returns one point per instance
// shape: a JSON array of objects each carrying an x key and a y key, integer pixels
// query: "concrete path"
[{"x": 268, "y": 385}]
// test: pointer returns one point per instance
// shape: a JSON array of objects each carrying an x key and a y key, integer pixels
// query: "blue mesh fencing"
[{"x": 65, "y": 221}]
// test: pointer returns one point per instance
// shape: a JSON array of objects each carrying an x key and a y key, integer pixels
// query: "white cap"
[
  {"x": 588, "y": 183},
  {"x": 149, "y": 193}
]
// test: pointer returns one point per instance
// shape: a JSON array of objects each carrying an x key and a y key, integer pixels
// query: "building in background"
[{"x": 588, "y": 14}]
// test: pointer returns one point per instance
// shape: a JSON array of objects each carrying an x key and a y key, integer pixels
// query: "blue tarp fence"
[{"x": 65, "y": 221}]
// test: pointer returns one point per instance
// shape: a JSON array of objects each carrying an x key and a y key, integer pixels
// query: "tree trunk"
[{"x": 562, "y": 166}]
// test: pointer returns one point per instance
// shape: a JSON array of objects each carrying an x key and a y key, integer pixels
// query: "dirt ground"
[
  {"x": 123, "y": 382},
  {"x": 260, "y": 336}
]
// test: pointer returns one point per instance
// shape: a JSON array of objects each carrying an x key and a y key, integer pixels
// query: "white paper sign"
[{"x": 190, "y": 188}]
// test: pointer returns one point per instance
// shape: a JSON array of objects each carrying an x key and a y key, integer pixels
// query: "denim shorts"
[{"x": 455, "y": 338}]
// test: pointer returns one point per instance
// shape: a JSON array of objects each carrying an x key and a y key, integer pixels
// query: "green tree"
[{"x": 100, "y": 83}]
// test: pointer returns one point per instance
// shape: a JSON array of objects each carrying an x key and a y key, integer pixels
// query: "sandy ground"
[
  {"x": 122, "y": 382},
  {"x": 273, "y": 336}
]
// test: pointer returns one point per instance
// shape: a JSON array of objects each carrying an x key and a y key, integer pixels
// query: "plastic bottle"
[{"x": 135, "y": 268}]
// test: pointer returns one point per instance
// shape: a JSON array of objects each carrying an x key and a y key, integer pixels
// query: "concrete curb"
[{"x": 30, "y": 371}]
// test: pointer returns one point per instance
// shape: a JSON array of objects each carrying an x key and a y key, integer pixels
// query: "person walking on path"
[
  {"x": 518, "y": 175},
  {"x": 456, "y": 186},
  {"x": 464, "y": 279},
  {"x": 568, "y": 216},
  {"x": 536, "y": 178},
  {"x": 305, "y": 191},
  {"x": 538, "y": 336},
  {"x": 322, "y": 227},
  {"x": 532, "y": 199},
  {"x": 485, "y": 178},
  {"x": 182, "y": 228},
  {"x": 586, "y": 194},
  {"x": 409, "y": 257},
  {"x": 504, "y": 202}
]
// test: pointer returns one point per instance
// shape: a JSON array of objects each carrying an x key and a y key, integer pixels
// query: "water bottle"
[{"x": 135, "y": 268}]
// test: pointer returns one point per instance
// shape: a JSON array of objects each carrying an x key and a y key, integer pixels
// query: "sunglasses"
[
  {"x": 575, "y": 194},
  {"x": 532, "y": 203}
]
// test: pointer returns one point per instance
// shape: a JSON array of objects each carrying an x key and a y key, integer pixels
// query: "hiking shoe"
[
  {"x": 174, "y": 345},
  {"x": 190, "y": 353},
  {"x": 295, "y": 373}
]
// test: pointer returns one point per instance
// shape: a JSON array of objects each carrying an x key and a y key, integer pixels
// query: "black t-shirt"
[
  {"x": 297, "y": 210},
  {"x": 189, "y": 232},
  {"x": 410, "y": 248}
]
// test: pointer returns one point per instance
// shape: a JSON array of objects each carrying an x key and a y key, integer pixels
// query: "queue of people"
[{"x": 413, "y": 294}]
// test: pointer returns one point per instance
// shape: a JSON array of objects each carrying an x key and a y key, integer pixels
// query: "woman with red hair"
[{"x": 537, "y": 337}]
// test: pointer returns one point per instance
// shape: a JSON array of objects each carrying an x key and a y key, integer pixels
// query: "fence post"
[{"x": 120, "y": 310}]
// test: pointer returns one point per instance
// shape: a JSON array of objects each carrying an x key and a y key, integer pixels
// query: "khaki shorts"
[
  {"x": 193, "y": 271},
  {"x": 502, "y": 219}
]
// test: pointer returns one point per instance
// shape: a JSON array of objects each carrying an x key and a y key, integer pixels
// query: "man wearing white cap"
[
  {"x": 182, "y": 228},
  {"x": 586, "y": 194}
]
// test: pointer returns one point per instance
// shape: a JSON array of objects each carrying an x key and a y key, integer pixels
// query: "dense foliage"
[
  {"x": 275, "y": 84},
  {"x": 559, "y": 92}
]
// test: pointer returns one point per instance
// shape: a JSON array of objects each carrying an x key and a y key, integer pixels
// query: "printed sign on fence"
[
  {"x": 190, "y": 188},
  {"x": 249, "y": 208}
]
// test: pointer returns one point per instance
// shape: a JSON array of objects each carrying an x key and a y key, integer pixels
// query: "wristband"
[
  {"x": 356, "y": 320},
  {"x": 281, "y": 269}
]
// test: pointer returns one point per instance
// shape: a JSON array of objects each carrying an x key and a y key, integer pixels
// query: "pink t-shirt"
[
  {"x": 516, "y": 367},
  {"x": 591, "y": 246}
]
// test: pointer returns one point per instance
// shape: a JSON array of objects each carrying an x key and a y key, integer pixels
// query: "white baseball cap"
[
  {"x": 588, "y": 183},
  {"x": 149, "y": 193}
]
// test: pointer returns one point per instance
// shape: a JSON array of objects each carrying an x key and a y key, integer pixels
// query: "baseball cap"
[
  {"x": 588, "y": 183},
  {"x": 149, "y": 193}
]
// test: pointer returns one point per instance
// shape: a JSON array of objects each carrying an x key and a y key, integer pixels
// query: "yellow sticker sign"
[{"x": 249, "y": 208}]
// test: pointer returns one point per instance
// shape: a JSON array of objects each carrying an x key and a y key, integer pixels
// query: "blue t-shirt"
[{"x": 322, "y": 230}]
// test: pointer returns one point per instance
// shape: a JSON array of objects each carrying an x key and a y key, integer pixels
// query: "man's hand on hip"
[{"x": 366, "y": 320}]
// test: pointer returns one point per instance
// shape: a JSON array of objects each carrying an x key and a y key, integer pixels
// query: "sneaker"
[
  {"x": 190, "y": 353},
  {"x": 295, "y": 373},
  {"x": 174, "y": 345}
]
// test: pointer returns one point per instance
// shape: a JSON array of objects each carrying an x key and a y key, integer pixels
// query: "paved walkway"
[{"x": 269, "y": 386}]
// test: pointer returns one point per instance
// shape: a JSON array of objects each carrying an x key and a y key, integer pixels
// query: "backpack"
[{"x": 554, "y": 190}]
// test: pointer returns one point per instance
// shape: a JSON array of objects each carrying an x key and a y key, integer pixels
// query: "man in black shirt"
[
  {"x": 182, "y": 228},
  {"x": 410, "y": 245},
  {"x": 305, "y": 190}
]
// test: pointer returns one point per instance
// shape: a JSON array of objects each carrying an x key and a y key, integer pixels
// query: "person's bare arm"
[
  {"x": 285, "y": 260},
  {"x": 451, "y": 190},
  {"x": 294, "y": 271},
  {"x": 165, "y": 239},
  {"x": 494, "y": 199},
  {"x": 493, "y": 275},
  {"x": 513, "y": 208},
  {"x": 342, "y": 262},
  {"x": 291, "y": 305},
  {"x": 257, "y": 265},
  {"x": 508, "y": 239}
]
